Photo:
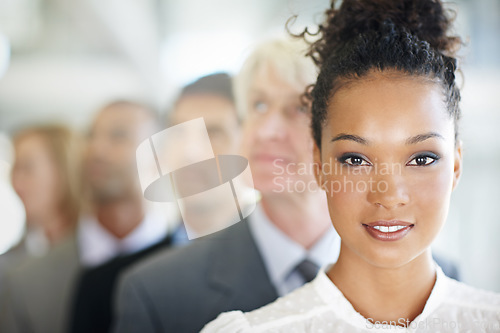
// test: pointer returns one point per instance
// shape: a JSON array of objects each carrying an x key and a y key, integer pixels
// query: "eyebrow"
[
  {"x": 349, "y": 137},
  {"x": 262, "y": 93},
  {"x": 410, "y": 141},
  {"x": 256, "y": 91},
  {"x": 422, "y": 137}
]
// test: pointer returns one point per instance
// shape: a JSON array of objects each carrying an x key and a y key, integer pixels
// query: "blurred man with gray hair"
[{"x": 279, "y": 247}]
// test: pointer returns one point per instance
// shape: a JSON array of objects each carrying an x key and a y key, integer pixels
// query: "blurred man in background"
[
  {"x": 40, "y": 291},
  {"x": 209, "y": 97},
  {"x": 251, "y": 263}
]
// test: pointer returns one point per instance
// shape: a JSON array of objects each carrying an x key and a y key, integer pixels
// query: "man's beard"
[{"x": 111, "y": 190}]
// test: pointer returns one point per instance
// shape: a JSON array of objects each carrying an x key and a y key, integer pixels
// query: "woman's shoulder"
[
  {"x": 470, "y": 308},
  {"x": 463, "y": 295},
  {"x": 288, "y": 311}
]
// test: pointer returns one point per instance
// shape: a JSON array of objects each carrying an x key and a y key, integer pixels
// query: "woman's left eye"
[{"x": 423, "y": 160}]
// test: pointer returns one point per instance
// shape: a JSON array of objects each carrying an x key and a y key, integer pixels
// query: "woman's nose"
[{"x": 389, "y": 191}]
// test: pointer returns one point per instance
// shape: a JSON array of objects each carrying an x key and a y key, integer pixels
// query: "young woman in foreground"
[{"x": 384, "y": 116}]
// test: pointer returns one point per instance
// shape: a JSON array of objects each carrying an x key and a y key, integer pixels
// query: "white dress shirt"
[
  {"x": 281, "y": 254},
  {"x": 320, "y": 307},
  {"x": 97, "y": 245}
]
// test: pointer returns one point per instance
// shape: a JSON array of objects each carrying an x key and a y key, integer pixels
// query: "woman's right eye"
[{"x": 353, "y": 160}]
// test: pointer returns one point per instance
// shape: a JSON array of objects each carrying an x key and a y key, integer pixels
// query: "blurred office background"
[{"x": 68, "y": 58}]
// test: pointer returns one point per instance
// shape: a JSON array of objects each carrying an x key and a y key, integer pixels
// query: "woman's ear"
[
  {"x": 457, "y": 165},
  {"x": 318, "y": 167}
]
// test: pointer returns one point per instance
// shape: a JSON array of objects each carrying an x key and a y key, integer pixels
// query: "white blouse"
[{"x": 320, "y": 307}]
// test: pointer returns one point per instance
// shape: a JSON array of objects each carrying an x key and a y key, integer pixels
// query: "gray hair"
[{"x": 284, "y": 55}]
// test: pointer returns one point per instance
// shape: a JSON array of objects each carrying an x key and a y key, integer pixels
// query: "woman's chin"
[{"x": 390, "y": 259}]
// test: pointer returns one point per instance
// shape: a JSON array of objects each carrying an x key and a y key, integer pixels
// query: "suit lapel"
[{"x": 238, "y": 273}]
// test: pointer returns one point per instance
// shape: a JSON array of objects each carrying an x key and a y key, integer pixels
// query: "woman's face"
[
  {"x": 35, "y": 177},
  {"x": 388, "y": 164}
]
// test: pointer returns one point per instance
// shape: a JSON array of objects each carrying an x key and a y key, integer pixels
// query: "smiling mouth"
[{"x": 388, "y": 230}]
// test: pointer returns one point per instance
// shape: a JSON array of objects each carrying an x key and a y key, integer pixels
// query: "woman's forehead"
[{"x": 395, "y": 105}]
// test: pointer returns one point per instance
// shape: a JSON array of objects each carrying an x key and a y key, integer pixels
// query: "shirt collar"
[
  {"x": 97, "y": 245},
  {"x": 332, "y": 296},
  {"x": 281, "y": 254},
  {"x": 179, "y": 235}
]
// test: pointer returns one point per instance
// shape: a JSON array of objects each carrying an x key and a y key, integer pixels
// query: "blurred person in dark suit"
[
  {"x": 210, "y": 97},
  {"x": 39, "y": 292},
  {"x": 46, "y": 177},
  {"x": 254, "y": 261},
  {"x": 279, "y": 247}
]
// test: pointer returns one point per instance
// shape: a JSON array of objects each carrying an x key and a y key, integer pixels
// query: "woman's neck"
[
  {"x": 384, "y": 294},
  {"x": 304, "y": 218}
]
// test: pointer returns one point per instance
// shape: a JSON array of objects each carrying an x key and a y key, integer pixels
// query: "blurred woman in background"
[{"x": 45, "y": 175}]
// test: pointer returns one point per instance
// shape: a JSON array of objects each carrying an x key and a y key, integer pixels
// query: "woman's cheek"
[
  {"x": 346, "y": 194},
  {"x": 430, "y": 200}
]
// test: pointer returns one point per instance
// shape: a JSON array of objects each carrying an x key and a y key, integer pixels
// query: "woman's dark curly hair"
[{"x": 406, "y": 36}]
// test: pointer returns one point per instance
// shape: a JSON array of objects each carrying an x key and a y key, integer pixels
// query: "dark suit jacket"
[
  {"x": 92, "y": 307},
  {"x": 183, "y": 289}
]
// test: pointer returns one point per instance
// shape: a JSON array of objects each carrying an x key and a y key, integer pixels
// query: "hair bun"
[{"x": 426, "y": 19}]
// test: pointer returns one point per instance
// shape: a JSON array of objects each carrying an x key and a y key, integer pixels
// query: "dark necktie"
[{"x": 307, "y": 269}]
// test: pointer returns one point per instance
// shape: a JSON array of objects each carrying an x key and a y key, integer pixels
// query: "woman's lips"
[{"x": 388, "y": 230}]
